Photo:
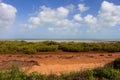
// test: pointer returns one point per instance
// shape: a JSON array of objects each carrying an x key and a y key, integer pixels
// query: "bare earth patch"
[{"x": 57, "y": 62}]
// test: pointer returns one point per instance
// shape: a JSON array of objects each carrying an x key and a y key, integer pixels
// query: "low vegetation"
[
  {"x": 105, "y": 73},
  {"x": 51, "y": 46},
  {"x": 27, "y": 47},
  {"x": 116, "y": 63}
]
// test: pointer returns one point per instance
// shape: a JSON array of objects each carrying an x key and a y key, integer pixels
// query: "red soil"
[{"x": 57, "y": 62}]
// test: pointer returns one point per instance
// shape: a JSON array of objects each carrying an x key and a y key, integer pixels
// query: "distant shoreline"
[
  {"x": 62, "y": 40},
  {"x": 73, "y": 40}
]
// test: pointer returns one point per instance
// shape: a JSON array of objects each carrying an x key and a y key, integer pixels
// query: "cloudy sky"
[{"x": 60, "y": 19}]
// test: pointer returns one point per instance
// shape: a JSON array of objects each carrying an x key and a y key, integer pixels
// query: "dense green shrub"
[
  {"x": 50, "y": 48},
  {"x": 108, "y": 73},
  {"x": 29, "y": 50},
  {"x": 116, "y": 63},
  {"x": 74, "y": 47},
  {"x": 83, "y": 47},
  {"x": 27, "y": 47},
  {"x": 46, "y": 46},
  {"x": 85, "y": 75},
  {"x": 52, "y": 77},
  {"x": 13, "y": 74},
  {"x": 69, "y": 76},
  {"x": 36, "y": 76},
  {"x": 50, "y": 43}
]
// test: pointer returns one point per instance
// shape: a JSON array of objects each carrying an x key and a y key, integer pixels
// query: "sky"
[{"x": 60, "y": 19}]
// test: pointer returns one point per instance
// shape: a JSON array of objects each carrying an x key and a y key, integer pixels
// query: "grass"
[
  {"x": 105, "y": 73},
  {"x": 51, "y": 46}
]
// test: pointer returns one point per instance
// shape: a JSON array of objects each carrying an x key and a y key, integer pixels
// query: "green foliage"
[
  {"x": 51, "y": 46},
  {"x": 13, "y": 74},
  {"x": 107, "y": 73},
  {"x": 69, "y": 76},
  {"x": 75, "y": 47},
  {"x": 85, "y": 75},
  {"x": 36, "y": 76},
  {"x": 27, "y": 47},
  {"x": 116, "y": 63},
  {"x": 29, "y": 50},
  {"x": 85, "y": 47},
  {"x": 50, "y": 42},
  {"x": 52, "y": 77},
  {"x": 90, "y": 74}
]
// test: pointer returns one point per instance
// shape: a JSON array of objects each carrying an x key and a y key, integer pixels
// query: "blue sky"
[{"x": 60, "y": 19}]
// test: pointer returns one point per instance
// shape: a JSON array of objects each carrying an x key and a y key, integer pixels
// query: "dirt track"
[{"x": 57, "y": 62}]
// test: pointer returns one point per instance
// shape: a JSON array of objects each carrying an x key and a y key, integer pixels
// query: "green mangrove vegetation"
[{"x": 52, "y": 46}]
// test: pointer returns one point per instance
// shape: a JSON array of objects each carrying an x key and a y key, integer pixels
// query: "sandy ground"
[{"x": 57, "y": 62}]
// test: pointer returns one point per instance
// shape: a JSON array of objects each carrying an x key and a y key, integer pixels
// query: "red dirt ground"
[{"x": 57, "y": 62}]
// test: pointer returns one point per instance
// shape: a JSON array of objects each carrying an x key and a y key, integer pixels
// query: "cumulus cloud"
[
  {"x": 58, "y": 19},
  {"x": 47, "y": 16},
  {"x": 90, "y": 20},
  {"x": 77, "y": 17},
  {"x": 7, "y": 15},
  {"x": 108, "y": 16},
  {"x": 55, "y": 18},
  {"x": 82, "y": 8}
]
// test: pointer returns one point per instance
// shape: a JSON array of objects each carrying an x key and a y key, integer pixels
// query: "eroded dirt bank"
[{"x": 56, "y": 62}]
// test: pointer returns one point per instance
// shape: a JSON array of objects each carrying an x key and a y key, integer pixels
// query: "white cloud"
[
  {"x": 57, "y": 20},
  {"x": 7, "y": 15},
  {"x": 47, "y": 16},
  {"x": 109, "y": 14},
  {"x": 63, "y": 12},
  {"x": 82, "y": 8},
  {"x": 77, "y": 17},
  {"x": 90, "y": 20}
]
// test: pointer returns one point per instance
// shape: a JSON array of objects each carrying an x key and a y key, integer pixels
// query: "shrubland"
[{"x": 52, "y": 46}]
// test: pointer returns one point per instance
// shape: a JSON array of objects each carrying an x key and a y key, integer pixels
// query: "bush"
[
  {"x": 72, "y": 47},
  {"x": 52, "y": 77},
  {"x": 108, "y": 73},
  {"x": 36, "y": 76},
  {"x": 116, "y": 63},
  {"x": 30, "y": 50},
  {"x": 45, "y": 48},
  {"x": 51, "y": 46},
  {"x": 67, "y": 76},
  {"x": 86, "y": 75},
  {"x": 50, "y": 43},
  {"x": 13, "y": 74}
]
